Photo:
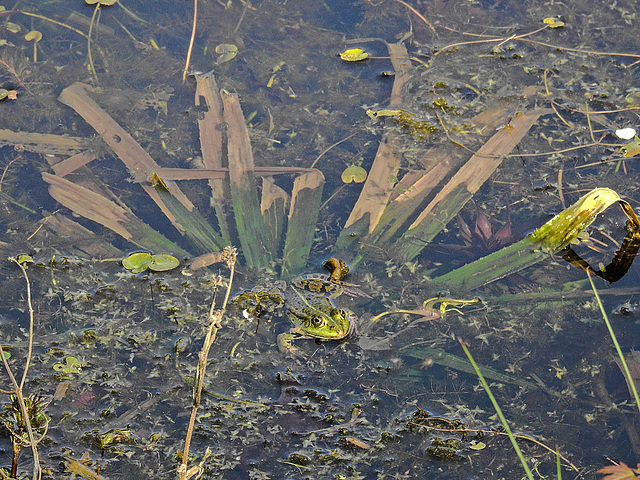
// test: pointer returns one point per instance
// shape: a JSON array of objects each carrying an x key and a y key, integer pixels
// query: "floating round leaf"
[
  {"x": 137, "y": 262},
  {"x": 353, "y": 55},
  {"x": 163, "y": 262},
  {"x": 226, "y": 51},
  {"x": 354, "y": 173}
]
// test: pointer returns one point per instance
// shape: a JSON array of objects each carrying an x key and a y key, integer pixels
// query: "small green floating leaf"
[
  {"x": 632, "y": 148},
  {"x": 354, "y": 173},
  {"x": 163, "y": 262},
  {"x": 34, "y": 35},
  {"x": 140, "y": 261},
  {"x": 13, "y": 27},
  {"x": 384, "y": 112},
  {"x": 24, "y": 258},
  {"x": 7, "y": 355},
  {"x": 137, "y": 262},
  {"x": 226, "y": 51},
  {"x": 71, "y": 365},
  {"x": 553, "y": 22},
  {"x": 353, "y": 55}
]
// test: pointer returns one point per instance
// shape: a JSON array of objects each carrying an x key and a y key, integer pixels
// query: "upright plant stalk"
[
  {"x": 229, "y": 257},
  {"x": 623, "y": 362},
  {"x": 501, "y": 416},
  {"x": 91, "y": 67},
  {"x": 193, "y": 36},
  {"x": 17, "y": 388}
]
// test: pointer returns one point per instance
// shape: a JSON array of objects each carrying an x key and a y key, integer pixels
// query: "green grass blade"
[
  {"x": 498, "y": 410},
  {"x": 617, "y": 345}
]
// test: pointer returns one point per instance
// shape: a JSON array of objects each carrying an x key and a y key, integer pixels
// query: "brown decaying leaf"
[
  {"x": 72, "y": 163},
  {"x": 42, "y": 142},
  {"x": 137, "y": 160},
  {"x": 88, "y": 204},
  {"x": 619, "y": 472}
]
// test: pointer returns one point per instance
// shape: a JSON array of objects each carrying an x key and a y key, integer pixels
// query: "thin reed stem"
[
  {"x": 612, "y": 334},
  {"x": 498, "y": 410},
  {"x": 193, "y": 36},
  {"x": 17, "y": 388}
]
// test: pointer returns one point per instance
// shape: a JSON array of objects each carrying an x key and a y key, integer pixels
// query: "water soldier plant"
[{"x": 268, "y": 229}]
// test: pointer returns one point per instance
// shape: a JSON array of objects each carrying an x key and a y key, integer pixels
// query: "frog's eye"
[{"x": 318, "y": 322}]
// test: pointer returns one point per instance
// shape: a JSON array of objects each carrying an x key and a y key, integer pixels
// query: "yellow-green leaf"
[
  {"x": 34, "y": 35},
  {"x": 24, "y": 258},
  {"x": 13, "y": 27},
  {"x": 71, "y": 365},
  {"x": 226, "y": 51},
  {"x": 568, "y": 224},
  {"x": 353, "y": 55},
  {"x": 384, "y": 112},
  {"x": 137, "y": 262},
  {"x": 553, "y": 22},
  {"x": 632, "y": 148},
  {"x": 354, "y": 173},
  {"x": 163, "y": 262}
]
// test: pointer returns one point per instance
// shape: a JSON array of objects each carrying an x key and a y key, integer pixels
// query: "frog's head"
[{"x": 331, "y": 325}]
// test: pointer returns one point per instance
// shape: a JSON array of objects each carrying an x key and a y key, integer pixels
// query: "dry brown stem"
[{"x": 215, "y": 317}]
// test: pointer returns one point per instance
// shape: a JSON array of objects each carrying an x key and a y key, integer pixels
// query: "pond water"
[{"x": 540, "y": 87}]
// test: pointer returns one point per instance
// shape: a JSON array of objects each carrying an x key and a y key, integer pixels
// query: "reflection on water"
[{"x": 396, "y": 398}]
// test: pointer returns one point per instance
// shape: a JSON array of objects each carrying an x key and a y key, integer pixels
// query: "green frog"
[{"x": 308, "y": 300}]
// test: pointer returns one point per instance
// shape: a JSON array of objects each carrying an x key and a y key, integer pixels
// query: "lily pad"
[
  {"x": 140, "y": 261},
  {"x": 137, "y": 262},
  {"x": 354, "y": 173},
  {"x": 163, "y": 262}
]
